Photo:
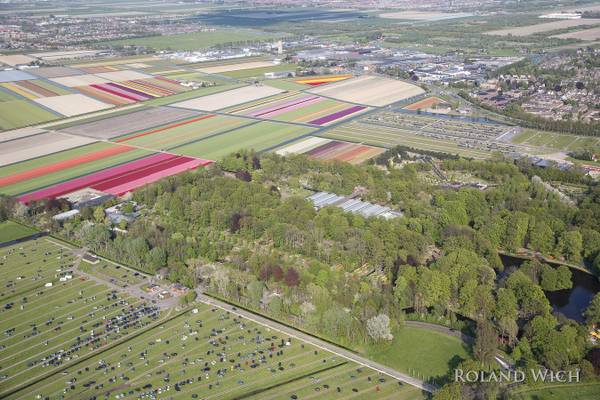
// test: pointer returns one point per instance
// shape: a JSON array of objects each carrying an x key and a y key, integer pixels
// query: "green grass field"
[
  {"x": 184, "y": 134},
  {"x": 18, "y": 113},
  {"x": 197, "y": 40},
  {"x": 560, "y": 392},
  {"x": 419, "y": 352},
  {"x": 10, "y": 230},
  {"x": 112, "y": 273},
  {"x": 46, "y": 327},
  {"x": 5, "y": 95},
  {"x": 258, "y": 136},
  {"x": 284, "y": 84},
  {"x": 65, "y": 174},
  {"x": 555, "y": 141},
  {"x": 390, "y": 137}
]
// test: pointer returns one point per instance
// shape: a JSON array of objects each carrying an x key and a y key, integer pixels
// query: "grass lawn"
[
  {"x": 284, "y": 84},
  {"x": 197, "y": 40},
  {"x": 571, "y": 392},
  {"x": 18, "y": 113},
  {"x": 258, "y": 136},
  {"x": 555, "y": 141},
  {"x": 419, "y": 351},
  {"x": 12, "y": 231}
]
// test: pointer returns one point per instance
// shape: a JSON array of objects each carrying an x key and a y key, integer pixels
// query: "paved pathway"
[{"x": 339, "y": 351}]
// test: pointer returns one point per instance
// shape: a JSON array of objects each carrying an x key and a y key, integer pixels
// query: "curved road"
[{"x": 339, "y": 351}]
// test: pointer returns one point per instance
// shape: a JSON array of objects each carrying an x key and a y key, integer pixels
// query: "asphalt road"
[{"x": 341, "y": 352}]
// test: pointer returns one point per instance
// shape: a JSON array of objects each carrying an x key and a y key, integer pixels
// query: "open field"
[
  {"x": 34, "y": 89},
  {"x": 544, "y": 27},
  {"x": 56, "y": 72},
  {"x": 79, "y": 80},
  {"x": 369, "y": 90},
  {"x": 59, "y": 167},
  {"x": 424, "y": 103},
  {"x": 15, "y": 75},
  {"x": 50, "y": 316},
  {"x": 20, "y": 133},
  {"x": 192, "y": 94},
  {"x": 326, "y": 149},
  {"x": 229, "y": 98},
  {"x": 72, "y": 104},
  {"x": 406, "y": 351},
  {"x": 258, "y": 136},
  {"x": 300, "y": 108},
  {"x": 180, "y": 133},
  {"x": 586, "y": 34},
  {"x": 321, "y": 80},
  {"x": 197, "y": 40},
  {"x": 235, "y": 67},
  {"x": 112, "y": 273},
  {"x": 10, "y": 230},
  {"x": 15, "y": 59},
  {"x": 583, "y": 391},
  {"x": 39, "y": 145},
  {"x": 556, "y": 141},
  {"x": 259, "y": 73},
  {"x": 360, "y": 132},
  {"x": 423, "y": 16},
  {"x": 19, "y": 113},
  {"x": 110, "y": 127}
]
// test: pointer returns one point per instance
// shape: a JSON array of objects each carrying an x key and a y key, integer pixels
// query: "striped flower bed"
[
  {"x": 337, "y": 115},
  {"x": 322, "y": 80},
  {"x": 133, "y": 91},
  {"x": 327, "y": 149},
  {"x": 34, "y": 89},
  {"x": 123, "y": 178}
]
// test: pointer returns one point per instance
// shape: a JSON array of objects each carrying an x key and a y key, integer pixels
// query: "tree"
[
  {"x": 486, "y": 343},
  {"x": 592, "y": 312},
  {"x": 570, "y": 245},
  {"x": 291, "y": 277},
  {"x": 378, "y": 328},
  {"x": 255, "y": 292},
  {"x": 99, "y": 214}
]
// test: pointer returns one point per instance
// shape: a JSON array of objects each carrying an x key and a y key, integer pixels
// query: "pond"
[{"x": 569, "y": 302}]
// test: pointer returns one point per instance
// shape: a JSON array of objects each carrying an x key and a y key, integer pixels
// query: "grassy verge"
[{"x": 10, "y": 230}]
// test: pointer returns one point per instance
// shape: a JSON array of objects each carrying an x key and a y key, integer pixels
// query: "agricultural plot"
[
  {"x": 425, "y": 103},
  {"x": 14, "y": 75},
  {"x": 300, "y": 108},
  {"x": 114, "y": 126},
  {"x": 586, "y": 34},
  {"x": 19, "y": 113},
  {"x": 123, "y": 178},
  {"x": 212, "y": 354},
  {"x": 72, "y": 104},
  {"x": 56, "y": 72},
  {"x": 183, "y": 132},
  {"x": 259, "y": 73},
  {"x": 259, "y": 136},
  {"x": 229, "y": 98},
  {"x": 34, "y": 89},
  {"x": 218, "y": 69},
  {"x": 41, "y": 172},
  {"x": 369, "y": 90},
  {"x": 38, "y": 145},
  {"x": 15, "y": 59},
  {"x": 326, "y": 149},
  {"x": 544, "y": 27},
  {"x": 20, "y": 133},
  {"x": 321, "y": 80},
  {"x": 50, "y": 316},
  {"x": 423, "y": 16}
]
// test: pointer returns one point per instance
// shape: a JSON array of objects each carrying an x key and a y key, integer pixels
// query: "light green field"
[
  {"x": 419, "y": 352},
  {"x": 183, "y": 134},
  {"x": 112, "y": 273},
  {"x": 18, "y": 113},
  {"x": 10, "y": 230},
  {"x": 6, "y": 96},
  {"x": 197, "y": 40},
  {"x": 555, "y": 141},
  {"x": 50, "y": 86},
  {"x": 390, "y": 137},
  {"x": 589, "y": 391},
  {"x": 258, "y": 136},
  {"x": 284, "y": 84},
  {"x": 65, "y": 174},
  {"x": 259, "y": 72}
]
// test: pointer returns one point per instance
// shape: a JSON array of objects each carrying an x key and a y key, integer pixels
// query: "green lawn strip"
[
  {"x": 19, "y": 113},
  {"x": 425, "y": 352},
  {"x": 580, "y": 391},
  {"x": 10, "y": 230},
  {"x": 258, "y": 137},
  {"x": 108, "y": 271},
  {"x": 74, "y": 172},
  {"x": 192, "y": 94},
  {"x": 260, "y": 72},
  {"x": 186, "y": 133}
]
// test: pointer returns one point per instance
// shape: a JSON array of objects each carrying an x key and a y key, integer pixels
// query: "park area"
[
  {"x": 73, "y": 330},
  {"x": 10, "y": 230}
]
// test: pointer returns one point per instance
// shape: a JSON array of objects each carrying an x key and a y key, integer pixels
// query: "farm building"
[{"x": 355, "y": 206}]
